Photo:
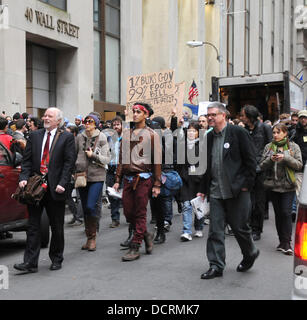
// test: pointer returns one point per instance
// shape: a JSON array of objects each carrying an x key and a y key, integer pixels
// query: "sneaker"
[
  {"x": 186, "y": 237},
  {"x": 288, "y": 250},
  {"x": 167, "y": 226},
  {"x": 198, "y": 234},
  {"x": 280, "y": 248}
]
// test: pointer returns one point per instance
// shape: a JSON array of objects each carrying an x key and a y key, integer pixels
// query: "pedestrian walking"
[
  {"x": 230, "y": 176},
  {"x": 58, "y": 169},
  {"x": 92, "y": 156},
  {"x": 114, "y": 143},
  {"x": 280, "y": 160},
  {"x": 191, "y": 184},
  {"x": 261, "y": 135},
  {"x": 141, "y": 172}
]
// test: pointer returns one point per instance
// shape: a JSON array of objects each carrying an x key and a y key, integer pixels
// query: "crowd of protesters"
[{"x": 250, "y": 162}]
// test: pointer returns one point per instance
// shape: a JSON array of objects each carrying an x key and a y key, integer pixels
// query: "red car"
[{"x": 13, "y": 215}]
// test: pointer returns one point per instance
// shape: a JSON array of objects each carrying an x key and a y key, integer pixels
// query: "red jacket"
[{"x": 6, "y": 139}]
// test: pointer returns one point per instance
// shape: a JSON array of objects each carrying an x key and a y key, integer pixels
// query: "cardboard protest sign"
[{"x": 157, "y": 89}]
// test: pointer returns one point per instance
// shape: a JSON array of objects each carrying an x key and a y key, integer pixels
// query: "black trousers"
[
  {"x": 235, "y": 212},
  {"x": 258, "y": 198},
  {"x": 282, "y": 204},
  {"x": 55, "y": 211}
]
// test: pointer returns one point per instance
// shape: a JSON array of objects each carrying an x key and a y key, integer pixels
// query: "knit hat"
[
  {"x": 79, "y": 117},
  {"x": 161, "y": 122},
  {"x": 302, "y": 113},
  {"x": 94, "y": 118}
]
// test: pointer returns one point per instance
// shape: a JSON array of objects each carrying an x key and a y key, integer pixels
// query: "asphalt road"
[{"x": 172, "y": 272}]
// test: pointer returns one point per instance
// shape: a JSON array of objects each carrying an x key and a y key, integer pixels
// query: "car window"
[{"x": 4, "y": 156}]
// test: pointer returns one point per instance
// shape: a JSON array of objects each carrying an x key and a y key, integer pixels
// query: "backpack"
[{"x": 172, "y": 184}]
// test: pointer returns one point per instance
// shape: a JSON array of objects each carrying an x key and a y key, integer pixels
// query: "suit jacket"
[
  {"x": 61, "y": 162},
  {"x": 239, "y": 160}
]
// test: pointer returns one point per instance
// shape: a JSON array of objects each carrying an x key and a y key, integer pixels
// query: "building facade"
[
  {"x": 265, "y": 57},
  {"x": 46, "y": 56}
]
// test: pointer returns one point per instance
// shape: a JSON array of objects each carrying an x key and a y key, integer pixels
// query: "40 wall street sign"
[
  {"x": 158, "y": 89},
  {"x": 49, "y": 22}
]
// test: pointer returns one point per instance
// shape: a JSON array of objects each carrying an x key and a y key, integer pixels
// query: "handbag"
[
  {"x": 36, "y": 186},
  {"x": 172, "y": 183},
  {"x": 80, "y": 179},
  {"x": 33, "y": 192}
]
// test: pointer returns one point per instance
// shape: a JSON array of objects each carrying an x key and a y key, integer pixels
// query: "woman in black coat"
[{"x": 190, "y": 183}]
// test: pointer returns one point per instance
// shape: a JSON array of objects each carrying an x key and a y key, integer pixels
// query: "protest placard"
[{"x": 157, "y": 89}]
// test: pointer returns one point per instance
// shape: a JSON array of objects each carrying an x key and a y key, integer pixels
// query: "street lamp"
[{"x": 195, "y": 44}]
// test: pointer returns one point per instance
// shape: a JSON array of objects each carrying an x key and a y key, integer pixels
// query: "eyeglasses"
[
  {"x": 213, "y": 114},
  {"x": 89, "y": 121}
]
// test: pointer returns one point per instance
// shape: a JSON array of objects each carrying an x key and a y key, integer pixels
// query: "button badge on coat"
[{"x": 227, "y": 145}]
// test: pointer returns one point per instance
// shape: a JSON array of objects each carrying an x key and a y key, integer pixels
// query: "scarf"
[
  {"x": 191, "y": 143},
  {"x": 284, "y": 144}
]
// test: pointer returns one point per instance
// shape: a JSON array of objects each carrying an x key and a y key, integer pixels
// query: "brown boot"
[
  {"x": 148, "y": 239},
  {"x": 87, "y": 233},
  {"x": 133, "y": 252},
  {"x": 92, "y": 224}
]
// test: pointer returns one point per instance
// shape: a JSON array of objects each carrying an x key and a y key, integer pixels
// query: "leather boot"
[
  {"x": 160, "y": 237},
  {"x": 127, "y": 242},
  {"x": 133, "y": 253},
  {"x": 87, "y": 233},
  {"x": 148, "y": 237},
  {"x": 92, "y": 224}
]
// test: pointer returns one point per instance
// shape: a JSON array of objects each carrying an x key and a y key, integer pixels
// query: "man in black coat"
[
  {"x": 230, "y": 175},
  {"x": 58, "y": 169},
  {"x": 261, "y": 135}
]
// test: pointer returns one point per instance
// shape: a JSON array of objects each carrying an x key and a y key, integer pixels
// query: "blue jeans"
[
  {"x": 168, "y": 209},
  {"x": 187, "y": 219},
  {"x": 89, "y": 196}
]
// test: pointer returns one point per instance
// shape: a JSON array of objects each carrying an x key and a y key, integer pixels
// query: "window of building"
[
  {"x": 61, "y": 4},
  {"x": 291, "y": 39},
  {"x": 260, "y": 36},
  {"x": 282, "y": 30},
  {"x": 247, "y": 36},
  {"x": 112, "y": 28},
  {"x": 273, "y": 34},
  {"x": 230, "y": 38},
  {"x": 106, "y": 18}
]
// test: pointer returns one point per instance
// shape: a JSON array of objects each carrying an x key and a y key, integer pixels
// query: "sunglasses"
[{"x": 89, "y": 121}]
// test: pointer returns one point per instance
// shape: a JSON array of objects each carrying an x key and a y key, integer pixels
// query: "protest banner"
[{"x": 157, "y": 89}]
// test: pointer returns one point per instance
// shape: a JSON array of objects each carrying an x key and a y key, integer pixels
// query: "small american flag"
[{"x": 193, "y": 92}]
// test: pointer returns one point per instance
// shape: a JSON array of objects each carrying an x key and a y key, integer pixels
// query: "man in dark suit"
[
  {"x": 230, "y": 175},
  {"x": 57, "y": 162}
]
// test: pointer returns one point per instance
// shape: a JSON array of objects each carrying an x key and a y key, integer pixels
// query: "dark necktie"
[{"x": 45, "y": 158}]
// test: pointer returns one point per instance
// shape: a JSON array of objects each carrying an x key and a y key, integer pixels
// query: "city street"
[{"x": 172, "y": 272}]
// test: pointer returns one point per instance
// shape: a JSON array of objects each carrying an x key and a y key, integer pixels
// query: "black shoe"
[
  {"x": 160, "y": 238},
  {"x": 247, "y": 263},
  {"x": 26, "y": 267},
  {"x": 55, "y": 266},
  {"x": 211, "y": 273},
  {"x": 256, "y": 236}
]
